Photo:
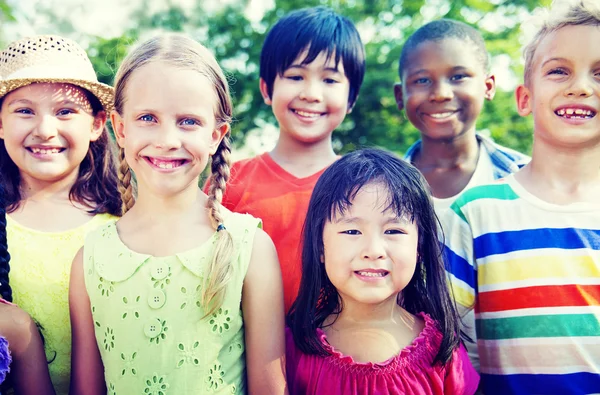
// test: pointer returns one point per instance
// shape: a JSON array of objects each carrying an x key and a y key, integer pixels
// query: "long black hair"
[
  {"x": 409, "y": 196},
  {"x": 5, "y": 290}
]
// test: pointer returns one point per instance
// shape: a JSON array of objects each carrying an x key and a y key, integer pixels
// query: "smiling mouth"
[
  {"x": 45, "y": 151},
  {"x": 442, "y": 115},
  {"x": 371, "y": 273},
  {"x": 575, "y": 113},
  {"x": 306, "y": 114},
  {"x": 166, "y": 163}
]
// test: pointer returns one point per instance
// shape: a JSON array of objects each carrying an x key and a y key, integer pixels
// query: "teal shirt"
[{"x": 148, "y": 318}]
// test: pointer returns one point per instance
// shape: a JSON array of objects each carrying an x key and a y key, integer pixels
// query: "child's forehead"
[
  {"x": 40, "y": 92},
  {"x": 325, "y": 59},
  {"x": 573, "y": 44},
  {"x": 450, "y": 52}
]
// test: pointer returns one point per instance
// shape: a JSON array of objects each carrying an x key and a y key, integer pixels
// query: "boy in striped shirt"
[{"x": 524, "y": 252}]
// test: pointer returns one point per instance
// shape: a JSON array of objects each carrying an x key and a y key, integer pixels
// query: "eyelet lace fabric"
[{"x": 148, "y": 317}]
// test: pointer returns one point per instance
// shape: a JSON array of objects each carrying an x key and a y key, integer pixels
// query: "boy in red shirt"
[{"x": 311, "y": 69}]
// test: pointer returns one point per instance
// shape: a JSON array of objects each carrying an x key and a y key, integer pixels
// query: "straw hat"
[{"x": 50, "y": 59}]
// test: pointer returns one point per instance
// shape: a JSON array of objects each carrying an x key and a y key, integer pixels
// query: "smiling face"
[
  {"x": 309, "y": 100},
  {"x": 168, "y": 127},
  {"x": 47, "y": 130},
  {"x": 370, "y": 254},
  {"x": 563, "y": 92},
  {"x": 443, "y": 88}
]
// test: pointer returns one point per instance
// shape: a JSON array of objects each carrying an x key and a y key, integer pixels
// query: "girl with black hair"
[
  {"x": 374, "y": 314},
  {"x": 21, "y": 348}
]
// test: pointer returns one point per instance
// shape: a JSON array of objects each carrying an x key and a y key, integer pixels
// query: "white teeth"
[
  {"x": 575, "y": 113},
  {"x": 371, "y": 274},
  {"x": 45, "y": 151},
  {"x": 441, "y": 115},
  {"x": 307, "y": 114}
]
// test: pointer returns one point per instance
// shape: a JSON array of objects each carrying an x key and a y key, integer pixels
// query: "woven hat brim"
[{"x": 104, "y": 93}]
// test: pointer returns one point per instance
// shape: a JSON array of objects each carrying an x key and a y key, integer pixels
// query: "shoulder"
[
  {"x": 484, "y": 195},
  {"x": 461, "y": 376},
  {"x": 505, "y": 160},
  {"x": 412, "y": 150},
  {"x": 247, "y": 165},
  {"x": 15, "y": 325}
]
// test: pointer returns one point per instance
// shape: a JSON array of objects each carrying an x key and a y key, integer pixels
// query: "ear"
[
  {"x": 490, "y": 87},
  {"x": 264, "y": 91},
  {"x": 350, "y": 107},
  {"x": 118, "y": 127},
  {"x": 1, "y": 129},
  {"x": 523, "y": 96},
  {"x": 399, "y": 96},
  {"x": 98, "y": 126},
  {"x": 217, "y": 137}
]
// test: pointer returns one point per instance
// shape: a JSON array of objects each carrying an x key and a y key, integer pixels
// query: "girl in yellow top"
[
  {"x": 58, "y": 174},
  {"x": 23, "y": 364},
  {"x": 157, "y": 298}
]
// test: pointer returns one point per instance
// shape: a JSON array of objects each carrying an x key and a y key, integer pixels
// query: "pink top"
[{"x": 409, "y": 372}]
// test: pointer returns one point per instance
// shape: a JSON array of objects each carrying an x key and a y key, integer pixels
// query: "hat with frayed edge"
[{"x": 50, "y": 59}]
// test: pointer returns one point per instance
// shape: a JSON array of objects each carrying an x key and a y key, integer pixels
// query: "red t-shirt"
[{"x": 262, "y": 188}]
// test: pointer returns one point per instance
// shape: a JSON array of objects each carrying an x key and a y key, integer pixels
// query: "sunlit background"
[{"x": 235, "y": 30}]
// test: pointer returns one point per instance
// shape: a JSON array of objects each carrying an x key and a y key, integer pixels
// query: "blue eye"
[
  {"x": 351, "y": 232},
  {"x": 147, "y": 118},
  {"x": 458, "y": 77},
  {"x": 25, "y": 111},
  {"x": 190, "y": 122}
]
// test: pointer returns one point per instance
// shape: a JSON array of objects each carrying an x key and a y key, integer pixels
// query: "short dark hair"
[
  {"x": 409, "y": 196},
  {"x": 440, "y": 30},
  {"x": 316, "y": 29}
]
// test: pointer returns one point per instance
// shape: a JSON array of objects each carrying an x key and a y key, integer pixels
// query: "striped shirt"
[{"x": 531, "y": 270}]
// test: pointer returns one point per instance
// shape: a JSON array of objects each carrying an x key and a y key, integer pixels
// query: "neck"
[
  {"x": 563, "y": 175},
  {"x": 39, "y": 190},
  {"x": 363, "y": 313},
  {"x": 292, "y": 154},
  {"x": 176, "y": 207},
  {"x": 448, "y": 153}
]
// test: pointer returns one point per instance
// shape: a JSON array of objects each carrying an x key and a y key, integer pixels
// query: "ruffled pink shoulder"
[{"x": 421, "y": 351}]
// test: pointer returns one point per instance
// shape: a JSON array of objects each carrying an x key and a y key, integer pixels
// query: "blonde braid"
[
  {"x": 220, "y": 269},
  {"x": 125, "y": 184}
]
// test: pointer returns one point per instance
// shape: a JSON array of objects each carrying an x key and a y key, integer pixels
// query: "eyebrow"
[
  {"x": 554, "y": 59},
  {"x": 420, "y": 71},
  {"x": 303, "y": 66},
  {"x": 350, "y": 220},
  {"x": 24, "y": 101}
]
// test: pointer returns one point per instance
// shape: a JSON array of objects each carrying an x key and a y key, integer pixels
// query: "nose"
[
  {"x": 374, "y": 248},
  {"x": 47, "y": 128},
  {"x": 311, "y": 91},
  {"x": 168, "y": 138},
  {"x": 580, "y": 87},
  {"x": 441, "y": 91}
]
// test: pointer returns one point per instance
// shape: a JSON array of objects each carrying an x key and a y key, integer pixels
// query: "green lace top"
[{"x": 148, "y": 318}]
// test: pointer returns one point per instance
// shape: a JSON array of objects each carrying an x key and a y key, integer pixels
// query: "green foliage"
[{"x": 375, "y": 119}]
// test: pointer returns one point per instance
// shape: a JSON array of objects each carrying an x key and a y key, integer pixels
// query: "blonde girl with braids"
[
  {"x": 180, "y": 296},
  {"x": 58, "y": 172}
]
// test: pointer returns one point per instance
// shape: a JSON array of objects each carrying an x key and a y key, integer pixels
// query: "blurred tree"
[{"x": 385, "y": 24}]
